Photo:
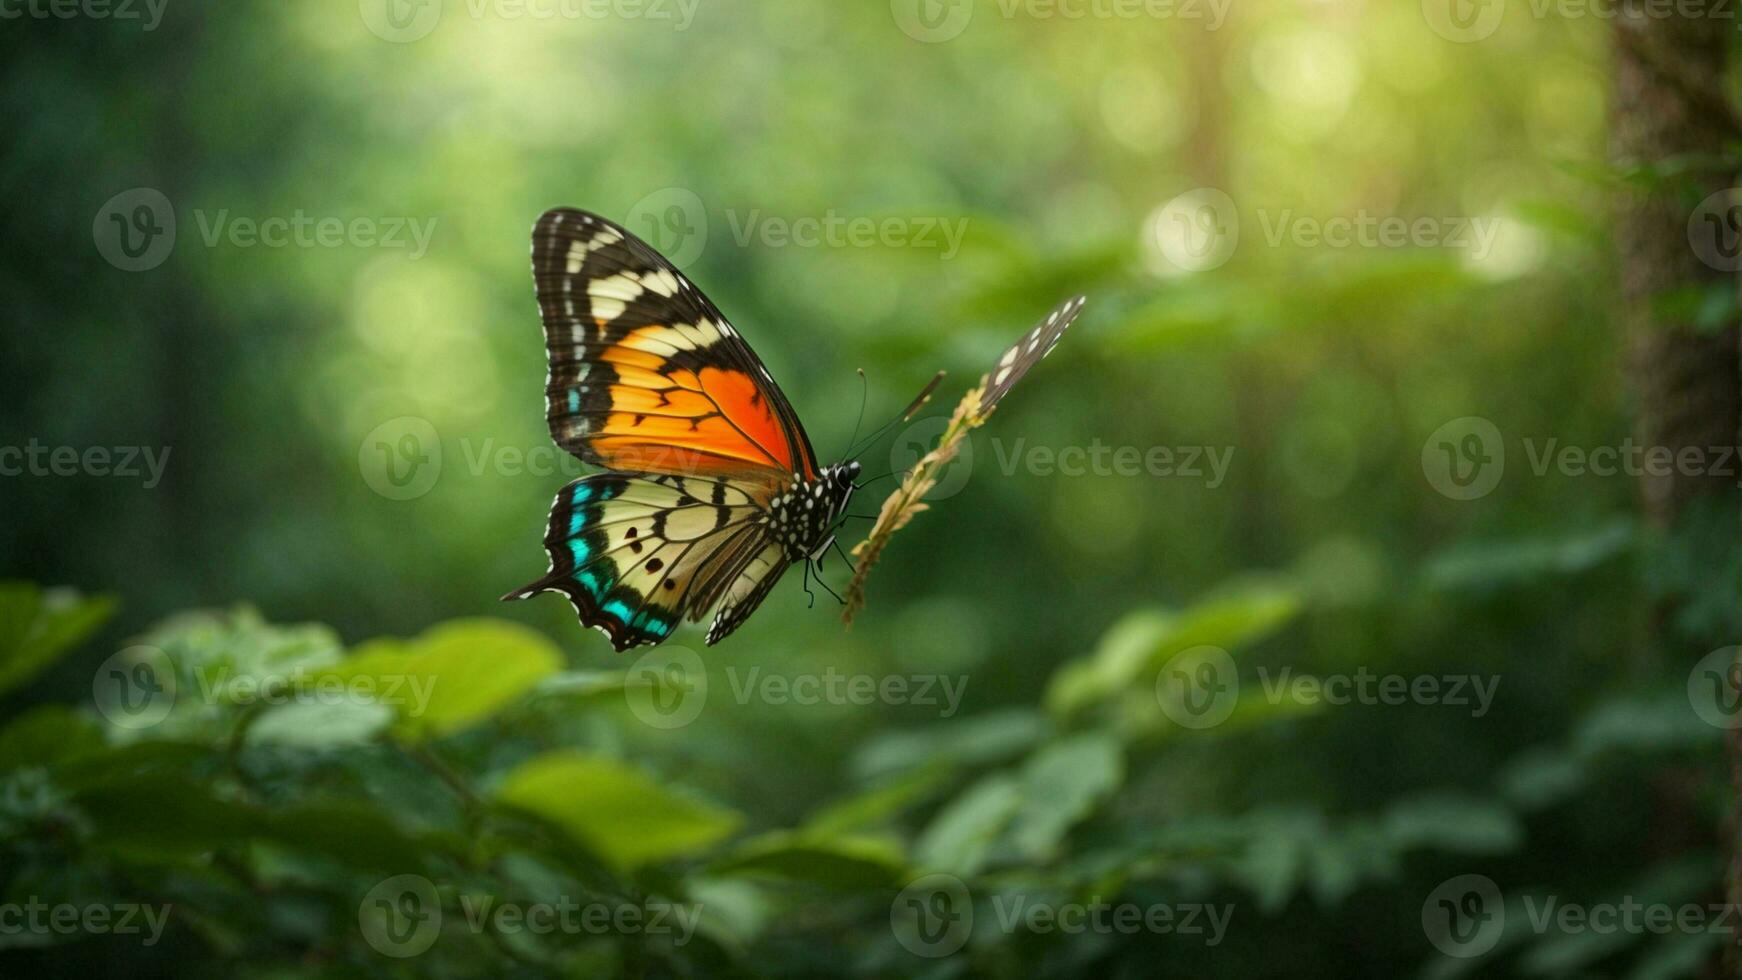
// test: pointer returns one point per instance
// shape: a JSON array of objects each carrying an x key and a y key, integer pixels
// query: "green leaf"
[
  {"x": 583, "y": 684},
  {"x": 958, "y": 839},
  {"x": 37, "y": 627},
  {"x": 1453, "y": 823},
  {"x": 318, "y": 725},
  {"x": 1135, "y": 648},
  {"x": 616, "y": 811},
  {"x": 848, "y": 863},
  {"x": 1498, "y": 565},
  {"x": 981, "y": 740},
  {"x": 46, "y": 735},
  {"x": 877, "y": 805},
  {"x": 1061, "y": 785},
  {"x": 222, "y": 663},
  {"x": 162, "y": 818},
  {"x": 452, "y": 676}
]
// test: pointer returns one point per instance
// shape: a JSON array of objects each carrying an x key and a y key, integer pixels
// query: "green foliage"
[
  {"x": 292, "y": 773},
  {"x": 37, "y": 626},
  {"x": 464, "y": 671},
  {"x": 620, "y": 814}
]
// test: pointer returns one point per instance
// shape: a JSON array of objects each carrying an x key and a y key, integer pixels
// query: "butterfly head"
[{"x": 804, "y": 516}]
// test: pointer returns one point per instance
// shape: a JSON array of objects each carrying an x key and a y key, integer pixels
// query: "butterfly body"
[{"x": 804, "y": 515}]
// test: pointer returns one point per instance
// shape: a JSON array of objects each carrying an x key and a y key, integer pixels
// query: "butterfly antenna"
[
  {"x": 863, "y": 484},
  {"x": 864, "y": 392},
  {"x": 906, "y": 413}
]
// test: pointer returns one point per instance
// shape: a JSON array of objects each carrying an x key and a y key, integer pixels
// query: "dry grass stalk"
[{"x": 909, "y": 498}]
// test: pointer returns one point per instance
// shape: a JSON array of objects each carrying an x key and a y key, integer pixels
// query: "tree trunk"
[{"x": 1669, "y": 103}]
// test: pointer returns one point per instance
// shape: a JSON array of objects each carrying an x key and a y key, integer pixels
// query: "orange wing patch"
[{"x": 664, "y": 419}]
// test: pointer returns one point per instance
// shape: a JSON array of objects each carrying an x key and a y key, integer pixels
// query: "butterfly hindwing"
[
  {"x": 646, "y": 374},
  {"x": 746, "y": 591},
  {"x": 635, "y": 555}
]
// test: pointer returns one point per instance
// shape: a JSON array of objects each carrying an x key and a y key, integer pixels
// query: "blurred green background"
[{"x": 1180, "y": 165}]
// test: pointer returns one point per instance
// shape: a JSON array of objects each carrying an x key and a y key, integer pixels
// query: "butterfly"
[{"x": 712, "y": 489}]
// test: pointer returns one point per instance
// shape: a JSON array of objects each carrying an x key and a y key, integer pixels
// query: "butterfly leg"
[
  {"x": 824, "y": 583},
  {"x": 843, "y": 553},
  {"x": 807, "y": 587}
]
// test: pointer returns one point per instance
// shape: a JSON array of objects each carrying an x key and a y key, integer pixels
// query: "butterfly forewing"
[
  {"x": 646, "y": 374},
  {"x": 1027, "y": 352}
]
